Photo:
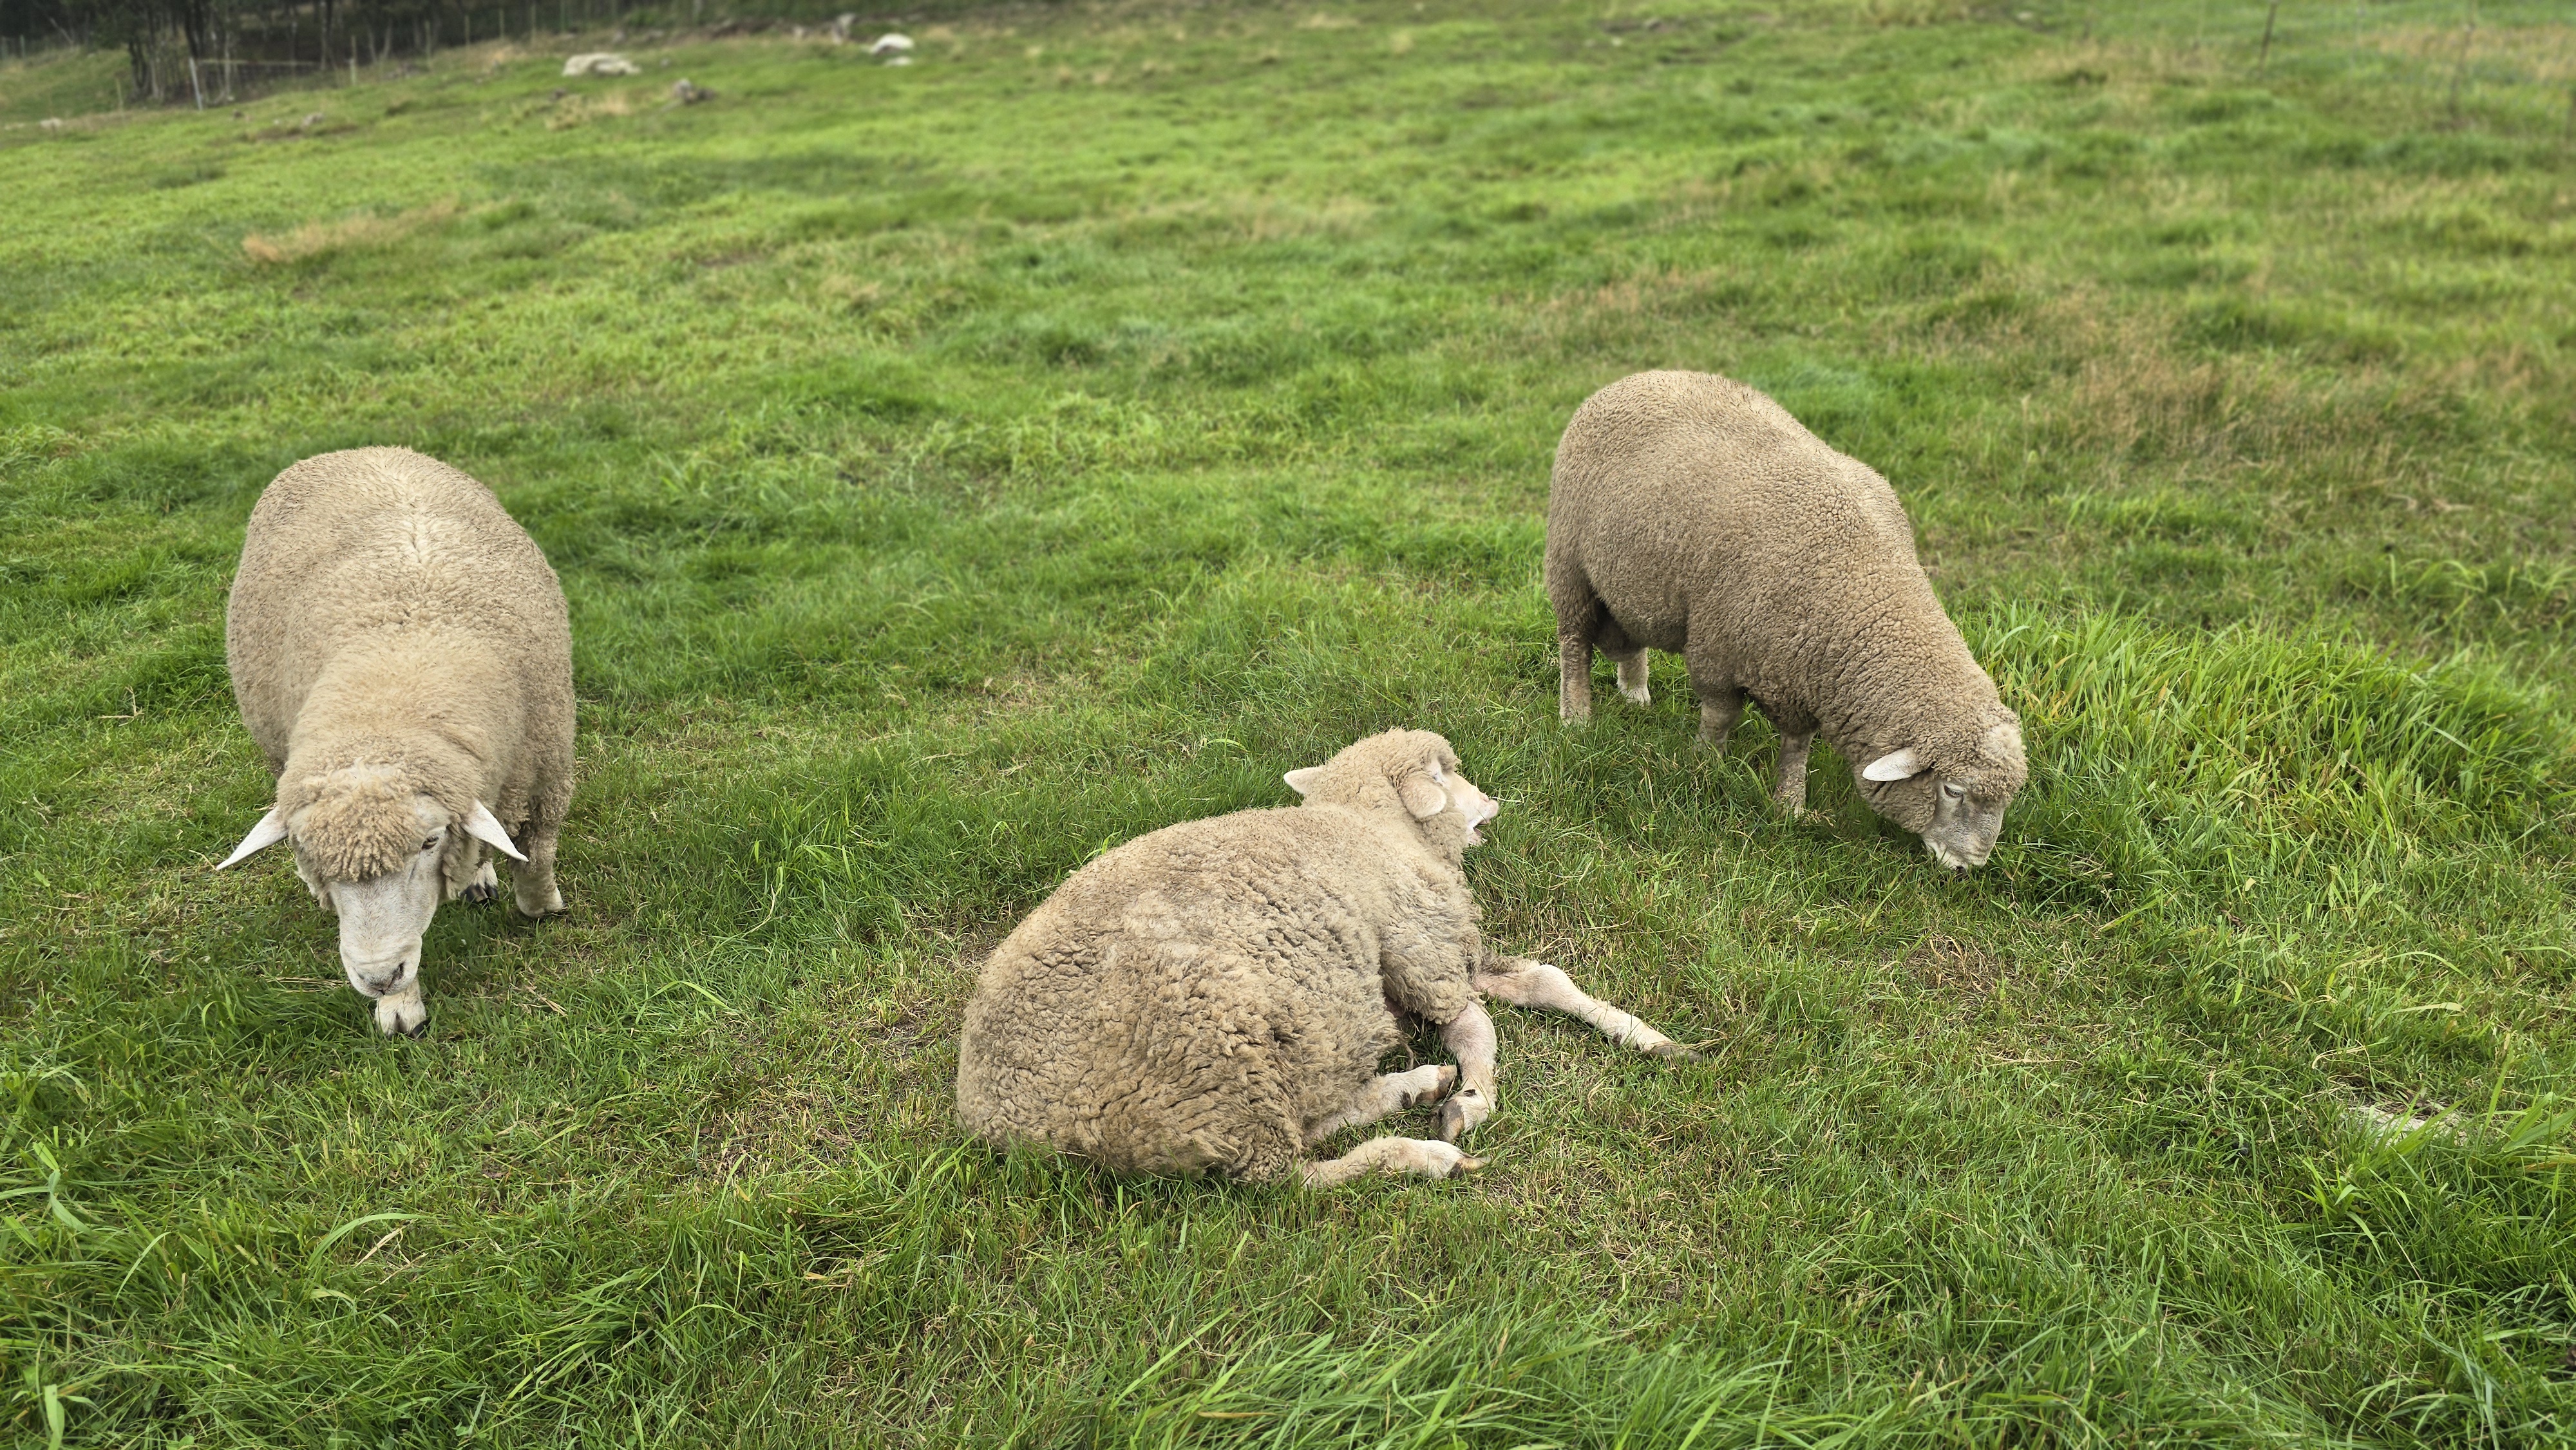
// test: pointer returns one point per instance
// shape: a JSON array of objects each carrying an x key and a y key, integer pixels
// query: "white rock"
[{"x": 891, "y": 44}]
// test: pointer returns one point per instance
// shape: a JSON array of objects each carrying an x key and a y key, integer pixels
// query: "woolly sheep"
[
  {"x": 1691, "y": 514},
  {"x": 401, "y": 654},
  {"x": 1217, "y": 995},
  {"x": 600, "y": 63}
]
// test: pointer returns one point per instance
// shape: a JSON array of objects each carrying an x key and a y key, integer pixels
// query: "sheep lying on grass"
[
  {"x": 1217, "y": 995},
  {"x": 401, "y": 654},
  {"x": 1692, "y": 514}
]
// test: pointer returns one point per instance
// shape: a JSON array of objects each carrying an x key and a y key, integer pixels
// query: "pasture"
[{"x": 956, "y": 469}]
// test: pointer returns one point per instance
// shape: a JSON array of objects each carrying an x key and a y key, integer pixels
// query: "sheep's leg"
[
  {"x": 1574, "y": 678},
  {"x": 533, "y": 883},
  {"x": 1789, "y": 787},
  {"x": 1632, "y": 676},
  {"x": 1720, "y": 706},
  {"x": 1627, "y": 654},
  {"x": 1470, "y": 1036},
  {"x": 1386, "y": 1093},
  {"x": 1391, "y": 1155},
  {"x": 1536, "y": 984}
]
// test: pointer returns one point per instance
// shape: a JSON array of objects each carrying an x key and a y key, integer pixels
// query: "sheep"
[
  {"x": 402, "y": 656},
  {"x": 1690, "y": 513},
  {"x": 1217, "y": 995},
  {"x": 600, "y": 63}
]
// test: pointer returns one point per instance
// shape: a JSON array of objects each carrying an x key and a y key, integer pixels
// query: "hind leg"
[
  {"x": 1628, "y": 655},
  {"x": 1386, "y": 1093},
  {"x": 1391, "y": 1155},
  {"x": 1574, "y": 678}
]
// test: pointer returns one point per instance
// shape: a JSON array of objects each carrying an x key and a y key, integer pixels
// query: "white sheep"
[
  {"x": 1217, "y": 995},
  {"x": 1690, "y": 513},
  {"x": 401, "y": 654},
  {"x": 600, "y": 63}
]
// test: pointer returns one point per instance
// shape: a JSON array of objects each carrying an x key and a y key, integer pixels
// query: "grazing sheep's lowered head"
[
  {"x": 1951, "y": 786},
  {"x": 1411, "y": 775},
  {"x": 380, "y": 849}
]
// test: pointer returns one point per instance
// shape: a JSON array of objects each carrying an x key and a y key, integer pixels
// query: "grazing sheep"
[
  {"x": 1690, "y": 513},
  {"x": 402, "y": 656},
  {"x": 1217, "y": 995}
]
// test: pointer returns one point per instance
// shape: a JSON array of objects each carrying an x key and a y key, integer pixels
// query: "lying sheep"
[
  {"x": 1690, "y": 513},
  {"x": 600, "y": 63},
  {"x": 1217, "y": 995},
  {"x": 402, "y": 656}
]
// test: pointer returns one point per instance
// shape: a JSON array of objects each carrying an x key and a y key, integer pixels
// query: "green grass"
[{"x": 957, "y": 469}]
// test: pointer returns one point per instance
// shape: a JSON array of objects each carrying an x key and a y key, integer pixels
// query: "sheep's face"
[
  {"x": 1412, "y": 771},
  {"x": 381, "y": 856},
  {"x": 1957, "y": 807},
  {"x": 1964, "y": 824},
  {"x": 384, "y": 916}
]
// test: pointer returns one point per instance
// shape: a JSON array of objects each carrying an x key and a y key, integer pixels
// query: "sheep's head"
[
  {"x": 1413, "y": 773},
  {"x": 1952, "y": 791},
  {"x": 379, "y": 853}
]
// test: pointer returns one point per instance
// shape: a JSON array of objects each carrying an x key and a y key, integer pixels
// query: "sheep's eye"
[
  {"x": 1954, "y": 790},
  {"x": 430, "y": 845}
]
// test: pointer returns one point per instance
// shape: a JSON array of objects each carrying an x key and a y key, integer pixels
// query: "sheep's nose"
[{"x": 378, "y": 983}]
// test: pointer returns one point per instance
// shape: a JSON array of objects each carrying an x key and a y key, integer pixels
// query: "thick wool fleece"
[
  {"x": 394, "y": 632},
  {"x": 1691, "y": 514},
  {"x": 1199, "y": 997}
]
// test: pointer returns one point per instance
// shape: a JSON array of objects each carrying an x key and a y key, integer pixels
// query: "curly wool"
[{"x": 1196, "y": 998}]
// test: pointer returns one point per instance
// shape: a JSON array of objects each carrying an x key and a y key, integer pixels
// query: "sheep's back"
[
  {"x": 1190, "y": 999},
  {"x": 386, "y": 552},
  {"x": 1701, "y": 512}
]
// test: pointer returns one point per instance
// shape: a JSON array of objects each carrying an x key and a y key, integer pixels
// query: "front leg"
[
  {"x": 1719, "y": 708},
  {"x": 1525, "y": 983},
  {"x": 1789, "y": 786},
  {"x": 532, "y": 885},
  {"x": 1385, "y": 1094},
  {"x": 1470, "y": 1036}
]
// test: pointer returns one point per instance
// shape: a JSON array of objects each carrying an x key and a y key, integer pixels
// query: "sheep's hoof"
[
  {"x": 478, "y": 893},
  {"x": 1440, "y": 1089},
  {"x": 1676, "y": 1052},
  {"x": 417, "y": 1030},
  {"x": 1462, "y": 1114}
]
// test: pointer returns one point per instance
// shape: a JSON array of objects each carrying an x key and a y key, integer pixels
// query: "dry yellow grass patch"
[
  {"x": 349, "y": 234},
  {"x": 579, "y": 109},
  {"x": 2544, "y": 52}
]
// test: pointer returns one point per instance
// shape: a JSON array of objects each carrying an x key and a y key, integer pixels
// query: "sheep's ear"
[
  {"x": 270, "y": 830},
  {"x": 1898, "y": 766},
  {"x": 1423, "y": 797},
  {"x": 483, "y": 826},
  {"x": 1303, "y": 781}
]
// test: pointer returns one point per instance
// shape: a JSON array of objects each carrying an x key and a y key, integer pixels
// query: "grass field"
[{"x": 957, "y": 469}]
